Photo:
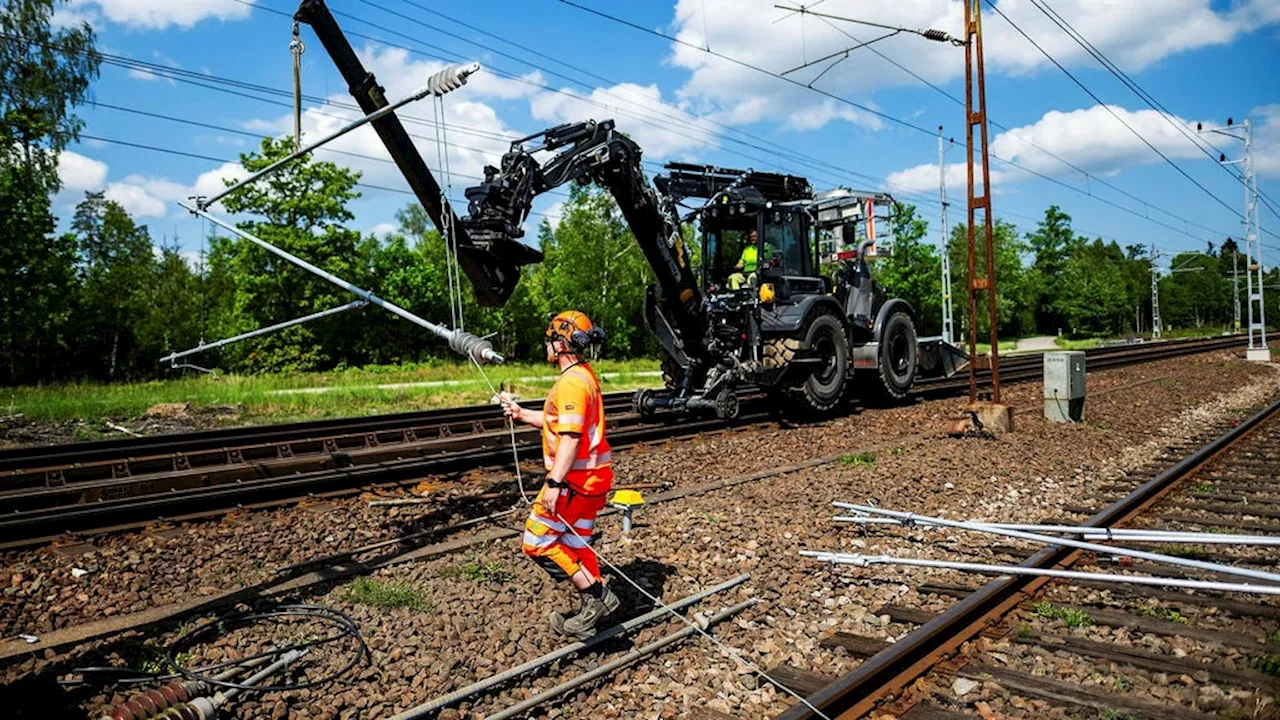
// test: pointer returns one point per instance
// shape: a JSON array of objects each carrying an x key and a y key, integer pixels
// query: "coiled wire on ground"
[{"x": 345, "y": 628}]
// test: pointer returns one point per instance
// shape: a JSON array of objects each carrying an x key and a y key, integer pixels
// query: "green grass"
[
  {"x": 275, "y": 398},
  {"x": 863, "y": 459},
  {"x": 1161, "y": 613},
  {"x": 1204, "y": 486},
  {"x": 1274, "y": 637},
  {"x": 1067, "y": 343},
  {"x": 1269, "y": 664},
  {"x": 1190, "y": 552},
  {"x": 1072, "y": 618},
  {"x": 984, "y": 348},
  {"x": 1115, "y": 715},
  {"x": 478, "y": 570},
  {"x": 371, "y": 591}
]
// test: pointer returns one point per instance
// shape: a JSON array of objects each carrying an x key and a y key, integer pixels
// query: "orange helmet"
[{"x": 575, "y": 329}]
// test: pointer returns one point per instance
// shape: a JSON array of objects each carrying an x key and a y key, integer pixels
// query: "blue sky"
[{"x": 547, "y": 62}]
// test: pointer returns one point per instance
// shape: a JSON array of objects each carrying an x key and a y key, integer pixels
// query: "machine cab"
[{"x": 745, "y": 248}]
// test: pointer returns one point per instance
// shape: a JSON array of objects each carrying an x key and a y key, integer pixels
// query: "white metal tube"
[
  {"x": 536, "y": 700},
  {"x": 1093, "y": 533},
  {"x": 615, "y": 631},
  {"x": 868, "y": 560},
  {"x": 448, "y": 79},
  {"x": 263, "y": 331},
  {"x": 457, "y": 340},
  {"x": 1067, "y": 542}
]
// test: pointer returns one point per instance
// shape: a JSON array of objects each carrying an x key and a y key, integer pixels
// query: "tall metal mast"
[
  {"x": 979, "y": 199},
  {"x": 948, "y": 327}
]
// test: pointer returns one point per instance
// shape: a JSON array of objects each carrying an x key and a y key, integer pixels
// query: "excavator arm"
[{"x": 595, "y": 152}]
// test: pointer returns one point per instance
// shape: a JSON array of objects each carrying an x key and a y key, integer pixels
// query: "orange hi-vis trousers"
[{"x": 550, "y": 543}]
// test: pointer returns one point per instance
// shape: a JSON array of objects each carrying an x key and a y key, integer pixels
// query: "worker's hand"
[
  {"x": 510, "y": 407},
  {"x": 549, "y": 499}
]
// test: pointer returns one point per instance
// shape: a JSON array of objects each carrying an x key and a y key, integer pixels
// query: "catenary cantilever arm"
[{"x": 461, "y": 342}]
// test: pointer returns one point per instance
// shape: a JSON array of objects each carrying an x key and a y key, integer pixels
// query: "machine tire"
[
  {"x": 824, "y": 388},
  {"x": 898, "y": 356}
]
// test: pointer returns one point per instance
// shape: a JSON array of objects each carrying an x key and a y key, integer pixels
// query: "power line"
[
  {"x": 826, "y": 18},
  {"x": 1113, "y": 113},
  {"x": 210, "y": 158},
  {"x": 1146, "y": 97},
  {"x": 899, "y": 121},
  {"x": 247, "y": 133}
]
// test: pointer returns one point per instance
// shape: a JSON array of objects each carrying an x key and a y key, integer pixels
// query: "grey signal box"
[{"x": 1064, "y": 386}]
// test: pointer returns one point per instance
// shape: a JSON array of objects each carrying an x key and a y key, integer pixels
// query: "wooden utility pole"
[{"x": 979, "y": 198}]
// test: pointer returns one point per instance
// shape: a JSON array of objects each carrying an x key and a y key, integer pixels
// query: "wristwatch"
[{"x": 554, "y": 483}]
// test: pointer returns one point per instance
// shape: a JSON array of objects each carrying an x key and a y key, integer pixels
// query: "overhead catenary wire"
[
  {"x": 843, "y": 100},
  {"x": 1122, "y": 121},
  {"x": 1185, "y": 130},
  {"x": 182, "y": 76},
  {"x": 1089, "y": 177}
]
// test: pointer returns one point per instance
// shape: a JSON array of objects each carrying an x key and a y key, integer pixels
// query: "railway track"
[
  {"x": 1031, "y": 646},
  {"x": 112, "y": 485}
]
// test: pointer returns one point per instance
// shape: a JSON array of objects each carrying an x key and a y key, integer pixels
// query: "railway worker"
[
  {"x": 579, "y": 472},
  {"x": 748, "y": 261}
]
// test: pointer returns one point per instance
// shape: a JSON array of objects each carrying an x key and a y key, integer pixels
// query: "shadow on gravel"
[
  {"x": 650, "y": 575},
  {"x": 39, "y": 695}
]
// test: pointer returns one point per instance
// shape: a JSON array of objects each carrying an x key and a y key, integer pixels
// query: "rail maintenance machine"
[{"x": 783, "y": 302}]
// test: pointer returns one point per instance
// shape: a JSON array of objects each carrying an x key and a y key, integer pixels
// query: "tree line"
[{"x": 1054, "y": 281}]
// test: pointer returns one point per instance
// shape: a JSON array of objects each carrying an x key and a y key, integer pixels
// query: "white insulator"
[{"x": 448, "y": 79}]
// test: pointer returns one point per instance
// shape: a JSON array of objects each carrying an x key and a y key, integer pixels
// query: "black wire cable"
[
  {"x": 345, "y": 628},
  {"x": 1146, "y": 96},
  {"x": 1090, "y": 93},
  {"x": 1009, "y": 131},
  {"x": 899, "y": 121}
]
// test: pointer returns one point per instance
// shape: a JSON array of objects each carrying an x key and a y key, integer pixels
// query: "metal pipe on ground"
[
  {"x": 869, "y": 560},
  {"x": 912, "y": 518},
  {"x": 651, "y": 648},
  {"x": 1093, "y": 533},
  {"x": 207, "y": 707},
  {"x": 460, "y": 341},
  {"x": 615, "y": 631}
]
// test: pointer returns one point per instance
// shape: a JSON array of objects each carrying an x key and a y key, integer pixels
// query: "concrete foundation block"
[
  {"x": 996, "y": 418},
  {"x": 1259, "y": 355}
]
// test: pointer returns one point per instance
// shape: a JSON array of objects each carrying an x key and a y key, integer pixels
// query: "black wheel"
[
  {"x": 898, "y": 356},
  {"x": 640, "y": 403},
  {"x": 824, "y": 387},
  {"x": 727, "y": 405}
]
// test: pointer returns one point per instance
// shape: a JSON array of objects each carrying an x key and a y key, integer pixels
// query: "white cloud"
[
  {"x": 384, "y": 229},
  {"x": 150, "y": 14},
  {"x": 1266, "y": 140},
  {"x": 80, "y": 173},
  {"x": 1092, "y": 139},
  {"x": 662, "y": 131},
  {"x": 1133, "y": 34}
]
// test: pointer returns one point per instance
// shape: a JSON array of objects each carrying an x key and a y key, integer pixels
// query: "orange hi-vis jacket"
[{"x": 576, "y": 405}]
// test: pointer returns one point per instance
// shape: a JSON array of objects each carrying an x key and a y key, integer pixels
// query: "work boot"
[{"x": 583, "y": 624}]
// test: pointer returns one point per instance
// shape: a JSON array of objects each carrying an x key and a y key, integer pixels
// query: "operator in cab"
[
  {"x": 557, "y": 534},
  {"x": 747, "y": 263}
]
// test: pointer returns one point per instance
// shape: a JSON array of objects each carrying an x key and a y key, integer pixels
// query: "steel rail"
[
  {"x": 329, "y": 472},
  {"x": 859, "y": 691},
  {"x": 23, "y": 529},
  {"x": 15, "y": 459}
]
